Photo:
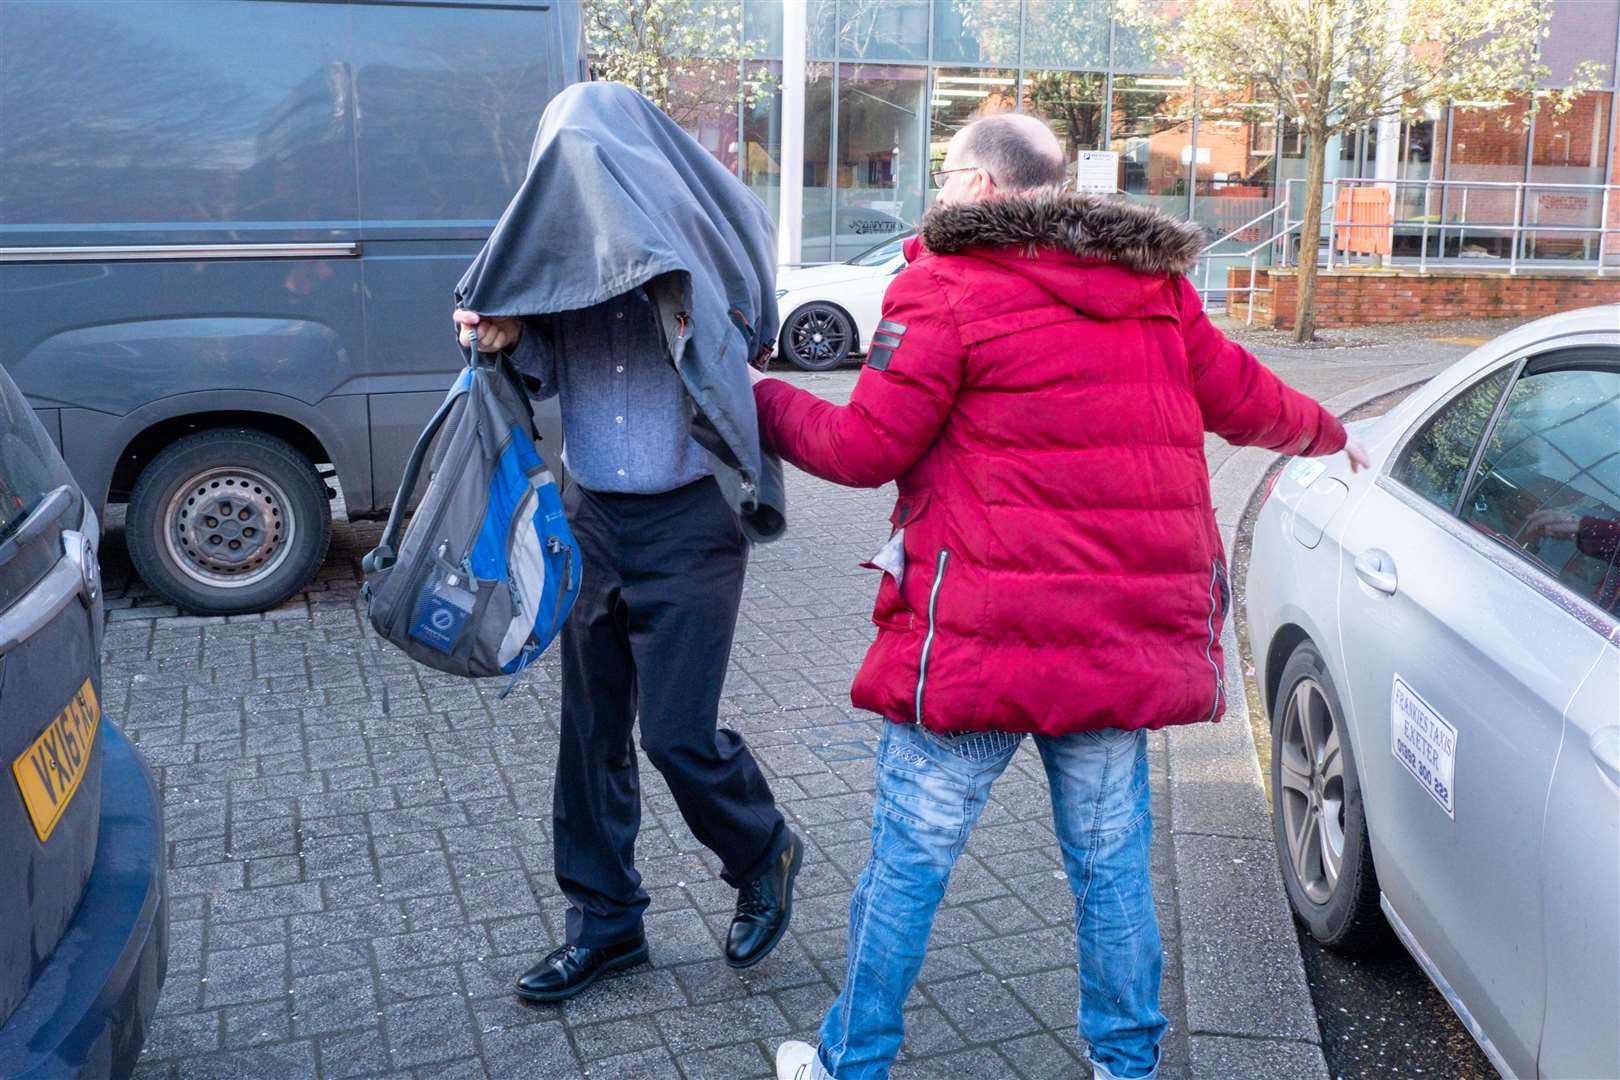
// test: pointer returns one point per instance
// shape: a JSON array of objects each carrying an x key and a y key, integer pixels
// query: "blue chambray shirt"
[{"x": 626, "y": 423}]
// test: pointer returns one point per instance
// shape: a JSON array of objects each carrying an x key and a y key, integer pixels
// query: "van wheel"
[
  {"x": 228, "y": 521},
  {"x": 1316, "y": 813}
]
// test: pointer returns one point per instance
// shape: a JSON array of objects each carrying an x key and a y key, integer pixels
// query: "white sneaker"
[{"x": 795, "y": 1061}]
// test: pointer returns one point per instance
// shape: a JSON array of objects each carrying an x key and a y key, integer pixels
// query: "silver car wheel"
[
  {"x": 1312, "y": 775},
  {"x": 228, "y": 528}
]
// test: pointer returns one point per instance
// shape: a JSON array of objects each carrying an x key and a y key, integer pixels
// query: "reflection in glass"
[
  {"x": 1234, "y": 165},
  {"x": 976, "y": 31},
  {"x": 818, "y": 171},
  {"x": 760, "y": 164},
  {"x": 704, "y": 103},
  {"x": 881, "y": 252},
  {"x": 1435, "y": 462},
  {"x": 232, "y": 112},
  {"x": 1569, "y": 148},
  {"x": 446, "y": 134},
  {"x": 1487, "y": 143},
  {"x": 880, "y": 163},
  {"x": 1072, "y": 103},
  {"x": 762, "y": 24},
  {"x": 1548, "y": 483},
  {"x": 1134, "y": 48},
  {"x": 1152, "y": 132},
  {"x": 1065, "y": 33},
  {"x": 883, "y": 29},
  {"x": 960, "y": 96}
]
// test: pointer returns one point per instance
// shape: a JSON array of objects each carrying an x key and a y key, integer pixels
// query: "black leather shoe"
[
  {"x": 572, "y": 968},
  {"x": 764, "y": 906}
]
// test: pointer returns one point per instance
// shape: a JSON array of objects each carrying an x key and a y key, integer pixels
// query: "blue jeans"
[{"x": 930, "y": 791}]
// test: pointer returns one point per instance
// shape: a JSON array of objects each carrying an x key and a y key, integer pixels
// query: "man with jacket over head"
[
  {"x": 632, "y": 277},
  {"x": 1039, "y": 386}
]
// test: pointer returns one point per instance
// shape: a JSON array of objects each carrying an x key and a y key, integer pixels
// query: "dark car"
[
  {"x": 229, "y": 234},
  {"x": 83, "y": 917}
]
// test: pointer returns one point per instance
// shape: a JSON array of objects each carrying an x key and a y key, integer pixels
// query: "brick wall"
[{"x": 1359, "y": 298}]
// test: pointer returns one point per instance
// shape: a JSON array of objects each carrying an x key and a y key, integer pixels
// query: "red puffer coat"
[{"x": 1040, "y": 386}]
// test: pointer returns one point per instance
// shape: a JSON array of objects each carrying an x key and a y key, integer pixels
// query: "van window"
[
  {"x": 30, "y": 468},
  {"x": 448, "y": 103},
  {"x": 176, "y": 113}
]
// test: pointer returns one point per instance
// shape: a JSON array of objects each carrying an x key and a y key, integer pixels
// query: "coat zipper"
[
  {"x": 1217, "y": 602},
  {"x": 928, "y": 642}
]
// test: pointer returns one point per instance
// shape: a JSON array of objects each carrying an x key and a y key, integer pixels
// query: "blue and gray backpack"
[{"x": 488, "y": 569}]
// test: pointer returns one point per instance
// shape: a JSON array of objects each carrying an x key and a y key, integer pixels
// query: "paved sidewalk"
[{"x": 354, "y": 892}]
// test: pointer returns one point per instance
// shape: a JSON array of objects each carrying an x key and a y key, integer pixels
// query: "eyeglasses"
[{"x": 937, "y": 173}]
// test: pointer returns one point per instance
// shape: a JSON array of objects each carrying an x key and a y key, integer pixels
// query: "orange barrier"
[{"x": 1367, "y": 211}]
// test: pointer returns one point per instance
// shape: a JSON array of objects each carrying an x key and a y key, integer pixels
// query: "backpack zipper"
[
  {"x": 928, "y": 642},
  {"x": 557, "y": 547}
]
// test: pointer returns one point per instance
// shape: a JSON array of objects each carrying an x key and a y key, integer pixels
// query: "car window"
[
  {"x": 1435, "y": 462},
  {"x": 881, "y": 253},
  {"x": 1548, "y": 483},
  {"x": 29, "y": 466}
]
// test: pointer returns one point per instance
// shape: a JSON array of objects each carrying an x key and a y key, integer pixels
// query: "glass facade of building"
[{"x": 889, "y": 81}]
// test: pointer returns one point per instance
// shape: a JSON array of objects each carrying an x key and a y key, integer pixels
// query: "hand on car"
[
  {"x": 495, "y": 332},
  {"x": 1357, "y": 455}
]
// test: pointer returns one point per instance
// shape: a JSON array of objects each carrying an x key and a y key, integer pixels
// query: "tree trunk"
[{"x": 1310, "y": 234}]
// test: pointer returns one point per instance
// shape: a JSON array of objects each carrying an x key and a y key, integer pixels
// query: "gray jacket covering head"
[{"x": 618, "y": 196}]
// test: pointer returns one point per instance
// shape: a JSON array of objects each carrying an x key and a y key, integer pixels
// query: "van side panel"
[
  {"x": 444, "y": 132},
  {"x": 338, "y": 423}
]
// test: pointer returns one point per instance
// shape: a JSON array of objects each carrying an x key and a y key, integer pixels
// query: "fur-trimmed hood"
[{"x": 1093, "y": 227}]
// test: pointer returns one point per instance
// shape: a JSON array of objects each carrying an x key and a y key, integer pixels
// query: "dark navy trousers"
[{"x": 650, "y": 636}]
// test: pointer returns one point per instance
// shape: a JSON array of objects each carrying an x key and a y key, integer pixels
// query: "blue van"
[{"x": 229, "y": 233}]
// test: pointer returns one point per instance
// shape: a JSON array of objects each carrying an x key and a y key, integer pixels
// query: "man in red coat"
[{"x": 1040, "y": 386}]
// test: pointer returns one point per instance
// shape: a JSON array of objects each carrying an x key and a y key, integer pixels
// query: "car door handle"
[
  {"x": 1605, "y": 747},
  {"x": 1377, "y": 571}
]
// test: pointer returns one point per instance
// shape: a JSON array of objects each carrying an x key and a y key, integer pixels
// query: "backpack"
[{"x": 488, "y": 569}]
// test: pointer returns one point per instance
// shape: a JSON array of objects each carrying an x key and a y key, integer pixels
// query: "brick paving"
[{"x": 353, "y": 892}]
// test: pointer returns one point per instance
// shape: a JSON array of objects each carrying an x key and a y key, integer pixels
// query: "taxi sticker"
[
  {"x": 49, "y": 771},
  {"x": 1304, "y": 471},
  {"x": 1425, "y": 743}
]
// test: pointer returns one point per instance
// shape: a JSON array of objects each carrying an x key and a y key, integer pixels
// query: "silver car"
[{"x": 1438, "y": 643}]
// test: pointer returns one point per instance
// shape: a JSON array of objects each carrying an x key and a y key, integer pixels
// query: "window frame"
[{"x": 1539, "y": 358}]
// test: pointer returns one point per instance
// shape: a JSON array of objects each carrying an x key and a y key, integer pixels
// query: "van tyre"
[
  {"x": 1317, "y": 816},
  {"x": 228, "y": 521}
]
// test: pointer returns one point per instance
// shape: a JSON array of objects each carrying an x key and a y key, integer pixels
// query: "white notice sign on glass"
[{"x": 1097, "y": 171}]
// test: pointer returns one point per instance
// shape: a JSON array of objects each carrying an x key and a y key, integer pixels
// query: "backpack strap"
[{"x": 383, "y": 555}]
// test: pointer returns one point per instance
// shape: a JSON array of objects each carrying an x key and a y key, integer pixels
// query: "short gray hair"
[{"x": 1006, "y": 146}]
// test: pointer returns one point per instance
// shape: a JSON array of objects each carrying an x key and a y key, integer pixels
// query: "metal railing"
[
  {"x": 1208, "y": 256},
  {"x": 1449, "y": 223},
  {"x": 1523, "y": 203}
]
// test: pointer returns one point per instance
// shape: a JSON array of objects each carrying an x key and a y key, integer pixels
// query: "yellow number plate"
[{"x": 49, "y": 771}]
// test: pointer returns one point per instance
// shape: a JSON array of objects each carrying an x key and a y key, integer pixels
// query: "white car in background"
[{"x": 829, "y": 312}]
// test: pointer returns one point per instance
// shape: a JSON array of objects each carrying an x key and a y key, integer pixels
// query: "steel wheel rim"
[
  {"x": 1310, "y": 773},
  {"x": 229, "y": 527},
  {"x": 819, "y": 336}
]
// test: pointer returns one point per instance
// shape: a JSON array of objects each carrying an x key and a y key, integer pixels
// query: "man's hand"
[
  {"x": 495, "y": 332},
  {"x": 1547, "y": 522},
  {"x": 1357, "y": 455},
  {"x": 755, "y": 374}
]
